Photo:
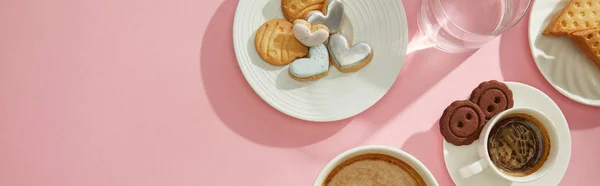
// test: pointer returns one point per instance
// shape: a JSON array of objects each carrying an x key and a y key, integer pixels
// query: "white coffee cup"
[
  {"x": 485, "y": 162},
  {"x": 377, "y": 149}
]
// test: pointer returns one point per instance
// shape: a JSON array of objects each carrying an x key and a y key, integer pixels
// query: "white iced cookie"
[
  {"x": 310, "y": 35},
  {"x": 314, "y": 67},
  {"x": 334, "y": 13},
  {"x": 347, "y": 59}
]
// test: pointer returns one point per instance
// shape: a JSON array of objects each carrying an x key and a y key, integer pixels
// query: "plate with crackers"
[
  {"x": 320, "y": 60},
  {"x": 564, "y": 36}
]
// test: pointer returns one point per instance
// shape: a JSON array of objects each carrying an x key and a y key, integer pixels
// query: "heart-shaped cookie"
[
  {"x": 334, "y": 13},
  {"x": 347, "y": 59},
  {"x": 310, "y": 35},
  {"x": 276, "y": 44},
  {"x": 314, "y": 67}
]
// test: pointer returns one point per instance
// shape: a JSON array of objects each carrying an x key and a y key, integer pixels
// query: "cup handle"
[{"x": 474, "y": 168}]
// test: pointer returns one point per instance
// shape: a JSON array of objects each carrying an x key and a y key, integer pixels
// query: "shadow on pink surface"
[
  {"x": 237, "y": 105},
  {"x": 517, "y": 65},
  {"x": 425, "y": 147},
  {"x": 424, "y": 66},
  {"x": 412, "y": 8}
]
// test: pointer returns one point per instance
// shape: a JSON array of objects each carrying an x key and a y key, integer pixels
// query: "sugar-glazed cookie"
[
  {"x": 332, "y": 15},
  {"x": 347, "y": 59},
  {"x": 312, "y": 68},
  {"x": 299, "y": 9},
  {"x": 310, "y": 35},
  {"x": 462, "y": 122},
  {"x": 276, "y": 44}
]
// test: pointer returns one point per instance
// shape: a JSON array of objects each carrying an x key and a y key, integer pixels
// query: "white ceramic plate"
[
  {"x": 338, "y": 96},
  {"x": 567, "y": 69},
  {"x": 524, "y": 96}
]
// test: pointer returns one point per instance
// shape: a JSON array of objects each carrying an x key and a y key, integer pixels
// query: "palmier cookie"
[
  {"x": 276, "y": 44},
  {"x": 492, "y": 97},
  {"x": 462, "y": 123},
  {"x": 299, "y": 9}
]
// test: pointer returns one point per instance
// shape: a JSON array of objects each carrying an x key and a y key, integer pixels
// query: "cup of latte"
[
  {"x": 519, "y": 144},
  {"x": 375, "y": 165}
]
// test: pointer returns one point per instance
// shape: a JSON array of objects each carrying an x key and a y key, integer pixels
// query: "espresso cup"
[
  {"x": 423, "y": 172},
  {"x": 485, "y": 160}
]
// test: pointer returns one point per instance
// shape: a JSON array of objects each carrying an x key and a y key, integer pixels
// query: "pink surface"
[{"x": 149, "y": 93}]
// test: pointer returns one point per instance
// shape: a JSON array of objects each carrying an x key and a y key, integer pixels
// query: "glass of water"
[{"x": 464, "y": 25}]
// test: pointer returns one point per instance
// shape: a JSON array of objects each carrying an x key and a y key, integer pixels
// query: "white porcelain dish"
[{"x": 381, "y": 23}]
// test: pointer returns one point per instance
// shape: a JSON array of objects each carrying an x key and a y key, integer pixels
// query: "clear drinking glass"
[{"x": 464, "y": 25}]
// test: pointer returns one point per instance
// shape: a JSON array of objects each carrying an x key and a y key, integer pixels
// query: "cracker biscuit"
[
  {"x": 276, "y": 44},
  {"x": 588, "y": 42},
  {"x": 576, "y": 15},
  {"x": 299, "y": 9}
]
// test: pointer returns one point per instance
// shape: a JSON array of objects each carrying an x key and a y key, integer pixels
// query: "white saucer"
[
  {"x": 559, "y": 60},
  {"x": 524, "y": 96},
  {"x": 381, "y": 23}
]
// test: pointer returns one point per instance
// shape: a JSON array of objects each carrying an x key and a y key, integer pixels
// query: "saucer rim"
[{"x": 562, "y": 134}]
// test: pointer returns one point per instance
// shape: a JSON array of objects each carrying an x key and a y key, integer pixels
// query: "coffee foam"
[
  {"x": 373, "y": 169},
  {"x": 519, "y": 145}
]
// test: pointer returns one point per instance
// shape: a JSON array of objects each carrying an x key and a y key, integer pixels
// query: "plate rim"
[
  {"x": 389, "y": 150},
  {"x": 403, "y": 21},
  {"x": 537, "y": 64},
  {"x": 564, "y": 120}
]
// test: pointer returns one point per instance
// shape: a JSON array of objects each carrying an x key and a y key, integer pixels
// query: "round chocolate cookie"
[
  {"x": 462, "y": 122},
  {"x": 492, "y": 97}
]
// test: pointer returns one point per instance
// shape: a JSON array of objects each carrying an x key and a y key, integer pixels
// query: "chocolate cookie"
[
  {"x": 462, "y": 122},
  {"x": 492, "y": 97}
]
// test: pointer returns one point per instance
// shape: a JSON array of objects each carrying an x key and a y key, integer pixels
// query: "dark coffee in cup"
[
  {"x": 373, "y": 169},
  {"x": 518, "y": 145}
]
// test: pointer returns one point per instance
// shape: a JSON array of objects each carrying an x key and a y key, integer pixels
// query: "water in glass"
[{"x": 463, "y": 25}]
